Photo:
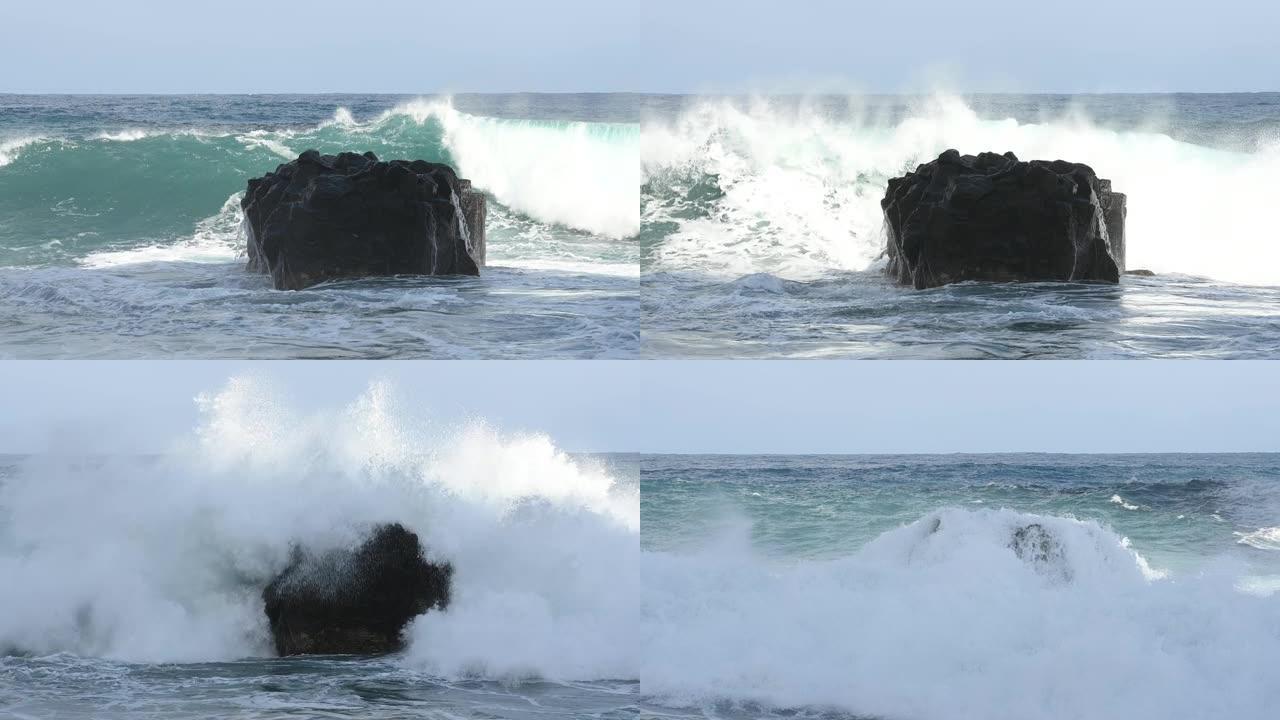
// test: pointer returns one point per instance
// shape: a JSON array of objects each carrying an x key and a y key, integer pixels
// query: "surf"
[
  {"x": 163, "y": 558},
  {"x": 65, "y": 196},
  {"x": 954, "y": 614},
  {"x": 735, "y": 188}
]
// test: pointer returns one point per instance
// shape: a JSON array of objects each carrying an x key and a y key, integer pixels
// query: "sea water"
[
  {"x": 132, "y": 584},
  {"x": 120, "y": 228},
  {"x": 894, "y": 587},
  {"x": 762, "y": 234}
]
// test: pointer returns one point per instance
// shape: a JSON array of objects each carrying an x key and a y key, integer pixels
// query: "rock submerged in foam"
[
  {"x": 996, "y": 218},
  {"x": 355, "y": 602},
  {"x": 326, "y": 217}
]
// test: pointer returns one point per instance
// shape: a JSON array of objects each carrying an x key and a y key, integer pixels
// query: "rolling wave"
[{"x": 63, "y": 198}]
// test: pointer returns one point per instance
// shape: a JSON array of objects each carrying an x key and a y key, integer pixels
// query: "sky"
[
  {"x": 419, "y": 46},
  {"x": 690, "y": 406}
]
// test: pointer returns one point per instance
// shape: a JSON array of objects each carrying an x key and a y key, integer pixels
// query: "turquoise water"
[
  {"x": 898, "y": 587},
  {"x": 120, "y": 228}
]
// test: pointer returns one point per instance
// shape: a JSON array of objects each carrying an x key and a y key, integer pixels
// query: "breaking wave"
[
  {"x": 163, "y": 558},
  {"x": 963, "y": 614},
  {"x": 738, "y": 190}
]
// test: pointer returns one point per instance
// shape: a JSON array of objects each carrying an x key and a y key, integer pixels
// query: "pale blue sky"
[
  {"x": 416, "y": 46},
  {"x": 696, "y": 406}
]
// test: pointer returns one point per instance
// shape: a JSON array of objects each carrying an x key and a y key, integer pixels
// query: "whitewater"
[
  {"x": 133, "y": 583},
  {"x": 120, "y": 227},
  {"x": 762, "y": 234},
  {"x": 958, "y": 587}
]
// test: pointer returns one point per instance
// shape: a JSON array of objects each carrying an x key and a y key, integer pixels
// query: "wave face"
[
  {"x": 163, "y": 559},
  {"x": 794, "y": 189},
  {"x": 875, "y": 587}
]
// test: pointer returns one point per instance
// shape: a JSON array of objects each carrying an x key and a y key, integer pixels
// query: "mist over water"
[
  {"x": 115, "y": 564},
  {"x": 898, "y": 586},
  {"x": 761, "y": 223}
]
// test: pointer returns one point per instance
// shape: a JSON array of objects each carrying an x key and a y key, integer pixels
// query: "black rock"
[
  {"x": 994, "y": 217},
  {"x": 1036, "y": 546},
  {"x": 323, "y": 217},
  {"x": 357, "y": 601}
]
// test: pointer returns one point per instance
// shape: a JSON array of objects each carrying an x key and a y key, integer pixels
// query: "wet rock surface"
[
  {"x": 994, "y": 217},
  {"x": 355, "y": 601},
  {"x": 327, "y": 217}
]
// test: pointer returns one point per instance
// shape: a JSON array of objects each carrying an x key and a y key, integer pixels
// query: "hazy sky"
[
  {"x": 417, "y": 46},
  {"x": 695, "y": 406}
]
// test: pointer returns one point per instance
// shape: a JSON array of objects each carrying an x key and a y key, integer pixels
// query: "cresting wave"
[
  {"x": 69, "y": 196},
  {"x": 964, "y": 614},
  {"x": 796, "y": 193},
  {"x": 163, "y": 559}
]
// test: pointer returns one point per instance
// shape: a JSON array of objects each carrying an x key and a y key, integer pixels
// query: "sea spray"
[
  {"x": 763, "y": 186},
  {"x": 164, "y": 558},
  {"x": 945, "y": 618}
]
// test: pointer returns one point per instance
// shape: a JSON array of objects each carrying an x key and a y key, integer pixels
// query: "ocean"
[
  {"x": 761, "y": 230},
  {"x": 132, "y": 584},
  {"x": 627, "y": 225},
  {"x": 120, "y": 228},
  {"x": 956, "y": 587}
]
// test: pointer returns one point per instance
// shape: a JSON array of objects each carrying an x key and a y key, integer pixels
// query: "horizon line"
[{"x": 671, "y": 93}]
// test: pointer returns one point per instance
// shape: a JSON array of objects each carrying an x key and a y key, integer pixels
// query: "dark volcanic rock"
[
  {"x": 1038, "y": 547},
  {"x": 354, "y": 601},
  {"x": 323, "y": 217},
  {"x": 993, "y": 217}
]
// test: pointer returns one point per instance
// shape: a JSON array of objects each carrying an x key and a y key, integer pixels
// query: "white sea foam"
[
  {"x": 582, "y": 175},
  {"x": 164, "y": 559},
  {"x": 1117, "y": 500},
  {"x": 802, "y": 190},
  {"x": 216, "y": 239},
  {"x": 943, "y": 620},
  {"x": 270, "y": 140},
  {"x": 9, "y": 149},
  {"x": 125, "y": 135}
]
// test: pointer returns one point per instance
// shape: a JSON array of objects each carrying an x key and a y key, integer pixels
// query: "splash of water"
[
  {"x": 164, "y": 558},
  {"x": 796, "y": 193},
  {"x": 962, "y": 614}
]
